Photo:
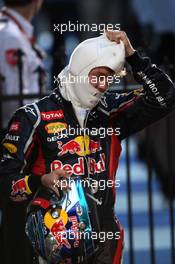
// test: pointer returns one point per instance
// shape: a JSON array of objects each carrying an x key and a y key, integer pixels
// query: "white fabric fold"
[{"x": 89, "y": 54}]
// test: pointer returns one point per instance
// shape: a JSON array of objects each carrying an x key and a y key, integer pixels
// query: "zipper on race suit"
[{"x": 95, "y": 201}]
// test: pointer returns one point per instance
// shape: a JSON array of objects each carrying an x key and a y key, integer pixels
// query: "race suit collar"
[{"x": 65, "y": 104}]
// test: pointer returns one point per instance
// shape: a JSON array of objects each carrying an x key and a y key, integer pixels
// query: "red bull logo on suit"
[
  {"x": 18, "y": 187},
  {"x": 78, "y": 168},
  {"x": 81, "y": 145}
]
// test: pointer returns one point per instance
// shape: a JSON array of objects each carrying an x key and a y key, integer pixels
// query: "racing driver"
[{"x": 39, "y": 152}]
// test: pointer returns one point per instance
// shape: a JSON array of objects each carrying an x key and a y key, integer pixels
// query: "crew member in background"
[
  {"x": 21, "y": 72},
  {"x": 21, "y": 61}
]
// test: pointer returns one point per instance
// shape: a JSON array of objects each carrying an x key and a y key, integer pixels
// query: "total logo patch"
[
  {"x": 57, "y": 127},
  {"x": 52, "y": 115},
  {"x": 10, "y": 147}
]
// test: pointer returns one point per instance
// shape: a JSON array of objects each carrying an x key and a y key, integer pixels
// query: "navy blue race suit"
[{"x": 37, "y": 143}]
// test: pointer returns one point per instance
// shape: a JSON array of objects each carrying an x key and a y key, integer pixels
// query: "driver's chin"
[
  {"x": 92, "y": 102},
  {"x": 102, "y": 88}
]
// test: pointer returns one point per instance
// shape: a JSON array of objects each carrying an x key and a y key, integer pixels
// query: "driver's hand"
[
  {"x": 56, "y": 180},
  {"x": 121, "y": 35}
]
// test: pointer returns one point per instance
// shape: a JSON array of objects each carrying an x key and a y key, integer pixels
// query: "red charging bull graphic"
[
  {"x": 80, "y": 145},
  {"x": 59, "y": 231},
  {"x": 72, "y": 147},
  {"x": 18, "y": 187}
]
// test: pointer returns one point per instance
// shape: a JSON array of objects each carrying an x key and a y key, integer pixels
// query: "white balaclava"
[{"x": 89, "y": 54}]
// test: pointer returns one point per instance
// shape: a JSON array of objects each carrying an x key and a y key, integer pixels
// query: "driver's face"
[{"x": 99, "y": 78}]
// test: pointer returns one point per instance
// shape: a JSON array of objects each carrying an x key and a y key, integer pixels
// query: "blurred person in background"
[
  {"x": 21, "y": 72},
  {"x": 21, "y": 60}
]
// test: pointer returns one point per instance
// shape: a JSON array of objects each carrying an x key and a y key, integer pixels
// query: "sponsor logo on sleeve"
[
  {"x": 7, "y": 156},
  {"x": 52, "y": 115},
  {"x": 29, "y": 109},
  {"x": 18, "y": 187},
  {"x": 12, "y": 137},
  {"x": 15, "y": 126},
  {"x": 18, "y": 193},
  {"x": 10, "y": 147}
]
